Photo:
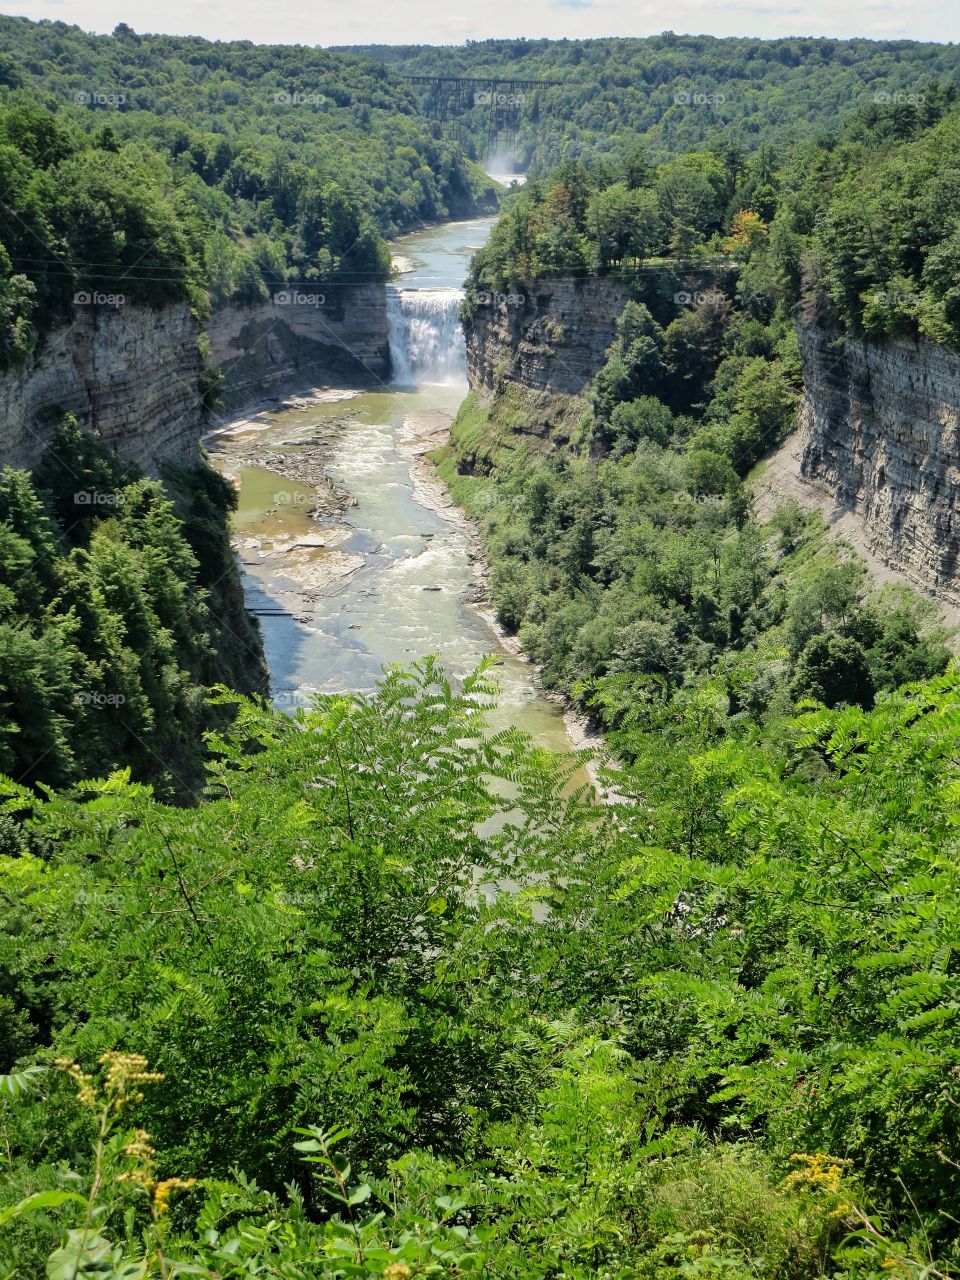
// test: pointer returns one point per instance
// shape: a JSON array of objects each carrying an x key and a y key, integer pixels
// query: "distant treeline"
[
  {"x": 160, "y": 167},
  {"x": 678, "y": 93}
]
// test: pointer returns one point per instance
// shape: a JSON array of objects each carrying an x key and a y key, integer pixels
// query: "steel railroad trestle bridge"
[{"x": 451, "y": 96}]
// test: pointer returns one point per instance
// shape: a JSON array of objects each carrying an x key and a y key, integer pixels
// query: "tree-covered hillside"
[
  {"x": 862, "y": 219},
  {"x": 624, "y": 553},
  {"x": 162, "y": 162},
  {"x": 680, "y": 93},
  {"x": 712, "y": 1032},
  {"x": 120, "y": 600},
  {"x": 262, "y": 123},
  {"x": 82, "y": 215}
]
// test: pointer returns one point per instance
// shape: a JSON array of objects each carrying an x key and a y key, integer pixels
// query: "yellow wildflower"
[
  {"x": 139, "y": 1148},
  {"x": 125, "y": 1069},
  {"x": 819, "y": 1172},
  {"x": 163, "y": 1191}
]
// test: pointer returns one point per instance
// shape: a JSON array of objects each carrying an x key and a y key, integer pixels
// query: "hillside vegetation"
[
  {"x": 711, "y": 1032},
  {"x": 120, "y": 600},
  {"x": 370, "y": 991},
  {"x": 159, "y": 167},
  {"x": 623, "y": 549},
  {"x": 677, "y": 93}
]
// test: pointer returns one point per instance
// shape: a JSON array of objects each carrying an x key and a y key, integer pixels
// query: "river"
[{"x": 389, "y": 578}]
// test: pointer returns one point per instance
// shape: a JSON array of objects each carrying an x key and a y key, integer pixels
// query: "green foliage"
[
  {"x": 873, "y": 207},
  {"x": 109, "y": 627},
  {"x": 626, "y": 559},
  {"x": 640, "y": 100},
  {"x": 177, "y": 169},
  {"x": 608, "y": 1066},
  {"x": 833, "y": 669}
]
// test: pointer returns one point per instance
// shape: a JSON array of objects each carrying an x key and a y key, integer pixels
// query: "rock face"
[
  {"x": 549, "y": 339},
  {"x": 284, "y": 343},
  {"x": 132, "y": 373},
  {"x": 879, "y": 433},
  {"x": 551, "y": 336}
]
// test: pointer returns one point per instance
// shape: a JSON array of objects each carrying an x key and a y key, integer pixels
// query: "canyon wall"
[
  {"x": 134, "y": 374},
  {"x": 131, "y": 373},
  {"x": 879, "y": 437},
  {"x": 877, "y": 446},
  {"x": 304, "y": 335},
  {"x": 550, "y": 337}
]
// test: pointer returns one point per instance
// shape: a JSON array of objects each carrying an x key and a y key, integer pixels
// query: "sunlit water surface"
[{"x": 410, "y": 597}]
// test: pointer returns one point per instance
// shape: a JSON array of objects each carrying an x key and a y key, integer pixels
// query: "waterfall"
[{"x": 426, "y": 340}]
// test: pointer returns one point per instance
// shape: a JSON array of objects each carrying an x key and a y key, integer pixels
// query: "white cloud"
[{"x": 428, "y": 21}]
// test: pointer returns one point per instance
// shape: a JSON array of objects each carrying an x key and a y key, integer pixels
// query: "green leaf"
[
  {"x": 20, "y": 1082},
  {"x": 83, "y": 1255},
  {"x": 41, "y": 1200}
]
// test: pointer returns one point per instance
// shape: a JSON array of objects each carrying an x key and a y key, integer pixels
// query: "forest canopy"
[
  {"x": 283, "y": 1034},
  {"x": 672, "y": 93},
  {"x": 165, "y": 168}
]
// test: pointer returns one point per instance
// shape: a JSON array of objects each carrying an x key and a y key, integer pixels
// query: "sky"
[{"x": 327, "y": 22}]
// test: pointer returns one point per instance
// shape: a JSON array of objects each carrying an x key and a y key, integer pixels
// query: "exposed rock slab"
[
  {"x": 879, "y": 442},
  {"x": 276, "y": 345},
  {"x": 131, "y": 373}
]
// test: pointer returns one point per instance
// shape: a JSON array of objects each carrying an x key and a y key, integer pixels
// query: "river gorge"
[{"x": 354, "y": 557}]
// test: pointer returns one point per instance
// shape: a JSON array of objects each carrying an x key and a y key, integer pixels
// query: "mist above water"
[{"x": 502, "y": 166}]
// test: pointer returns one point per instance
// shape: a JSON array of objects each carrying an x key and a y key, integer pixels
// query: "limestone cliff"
[
  {"x": 340, "y": 334},
  {"x": 877, "y": 446},
  {"x": 879, "y": 436},
  {"x": 131, "y": 373},
  {"x": 550, "y": 336},
  {"x": 134, "y": 374}
]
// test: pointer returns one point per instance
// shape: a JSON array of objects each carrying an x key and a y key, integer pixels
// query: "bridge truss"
[{"x": 450, "y": 97}]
